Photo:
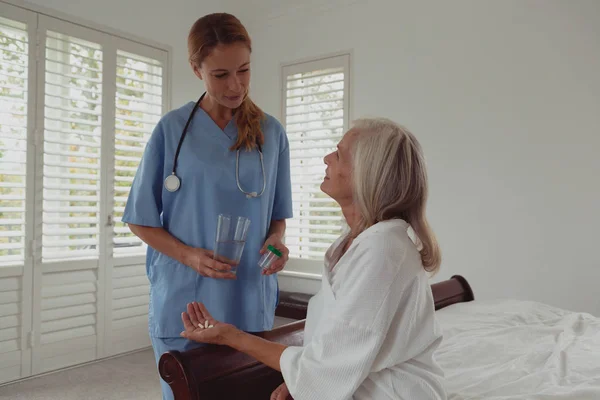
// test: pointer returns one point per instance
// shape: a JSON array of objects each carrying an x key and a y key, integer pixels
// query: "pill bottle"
[{"x": 270, "y": 256}]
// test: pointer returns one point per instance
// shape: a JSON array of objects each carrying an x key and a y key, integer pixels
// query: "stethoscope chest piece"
[{"x": 172, "y": 183}]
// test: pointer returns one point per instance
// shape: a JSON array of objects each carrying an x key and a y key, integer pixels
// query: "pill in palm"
[{"x": 206, "y": 324}]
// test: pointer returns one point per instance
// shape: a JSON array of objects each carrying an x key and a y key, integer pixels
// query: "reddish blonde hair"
[{"x": 207, "y": 33}]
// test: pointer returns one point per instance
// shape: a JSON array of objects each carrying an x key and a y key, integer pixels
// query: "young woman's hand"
[
  {"x": 202, "y": 261},
  {"x": 278, "y": 265},
  {"x": 200, "y": 326}
]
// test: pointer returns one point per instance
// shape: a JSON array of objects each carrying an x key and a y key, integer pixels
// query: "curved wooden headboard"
[
  {"x": 454, "y": 290},
  {"x": 220, "y": 372},
  {"x": 294, "y": 305}
]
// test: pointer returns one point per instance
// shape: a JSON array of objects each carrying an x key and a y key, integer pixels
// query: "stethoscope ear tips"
[{"x": 252, "y": 195}]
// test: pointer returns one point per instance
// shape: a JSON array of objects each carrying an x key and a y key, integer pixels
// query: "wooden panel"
[
  {"x": 9, "y": 309},
  {"x": 67, "y": 335},
  {"x": 65, "y": 324},
  {"x": 67, "y": 346},
  {"x": 59, "y": 302},
  {"x": 131, "y": 270},
  {"x": 67, "y": 321},
  {"x": 130, "y": 312},
  {"x": 130, "y": 339},
  {"x": 130, "y": 282},
  {"x": 130, "y": 292},
  {"x": 130, "y": 302},
  {"x": 10, "y": 329},
  {"x": 10, "y": 373},
  {"x": 10, "y": 359},
  {"x": 64, "y": 290},
  {"x": 10, "y": 322},
  {"x": 130, "y": 322},
  {"x": 66, "y": 312},
  {"x": 12, "y": 296},
  {"x": 67, "y": 360},
  {"x": 9, "y": 334}
]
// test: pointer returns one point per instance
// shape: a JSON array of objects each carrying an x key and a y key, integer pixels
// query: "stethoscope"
[{"x": 172, "y": 182}]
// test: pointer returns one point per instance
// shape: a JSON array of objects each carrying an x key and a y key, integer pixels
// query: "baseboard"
[{"x": 74, "y": 366}]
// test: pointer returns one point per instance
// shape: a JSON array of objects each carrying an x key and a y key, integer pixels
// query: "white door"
[
  {"x": 77, "y": 108},
  {"x": 17, "y": 105},
  {"x": 140, "y": 101},
  {"x": 67, "y": 291}
]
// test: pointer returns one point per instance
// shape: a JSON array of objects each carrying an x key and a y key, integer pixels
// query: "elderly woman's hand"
[
  {"x": 201, "y": 327},
  {"x": 281, "y": 393}
]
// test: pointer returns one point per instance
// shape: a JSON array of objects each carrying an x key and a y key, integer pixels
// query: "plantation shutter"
[
  {"x": 77, "y": 106},
  {"x": 17, "y": 29},
  {"x": 14, "y": 50},
  {"x": 71, "y": 176},
  {"x": 139, "y": 105},
  {"x": 68, "y": 285},
  {"x": 316, "y": 117}
]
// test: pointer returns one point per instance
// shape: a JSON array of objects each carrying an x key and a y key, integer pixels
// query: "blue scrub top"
[{"x": 206, "y": 168}]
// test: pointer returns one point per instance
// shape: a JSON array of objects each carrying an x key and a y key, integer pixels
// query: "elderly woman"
[{"x": 371, "y": 331}]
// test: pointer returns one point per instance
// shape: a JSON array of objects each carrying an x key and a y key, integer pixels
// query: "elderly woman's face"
[{"x": 337, "y": 183}]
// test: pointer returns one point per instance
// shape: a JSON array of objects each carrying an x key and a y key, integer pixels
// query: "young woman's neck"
[{"x": 216, "y": 111}]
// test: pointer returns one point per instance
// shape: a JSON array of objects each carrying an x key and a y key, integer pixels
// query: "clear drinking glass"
[{"x": 230, "y": 239}]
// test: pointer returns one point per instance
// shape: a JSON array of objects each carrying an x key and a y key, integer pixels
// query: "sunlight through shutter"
[
  {"x": 139, "y": 105},
  {"x": 315, "y": 119},
  {"x": 73, "y": 102},
  {"x": 14, "y": 51}
]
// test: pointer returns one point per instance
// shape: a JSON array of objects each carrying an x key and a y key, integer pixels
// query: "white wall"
[
  {"x": 505, "y": 98},
  {"x": 163, "y": 21}
]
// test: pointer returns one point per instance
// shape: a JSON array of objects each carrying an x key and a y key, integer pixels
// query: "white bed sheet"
[{"x": 511, "y": 349}]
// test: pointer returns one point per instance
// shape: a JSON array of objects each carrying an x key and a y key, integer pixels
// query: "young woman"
[
  {"x": 371, "y": 331},
  {"x": 218, "y": 155}
]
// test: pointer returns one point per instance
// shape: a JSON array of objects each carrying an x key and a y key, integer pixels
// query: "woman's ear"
[{"x": 197, "y": 71}]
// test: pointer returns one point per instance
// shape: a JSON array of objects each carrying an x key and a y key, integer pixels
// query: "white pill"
[
  {"x": 206, "y": 324},
  {"x": 210, "y": 326},
  {"x": 200, "y": 325}
]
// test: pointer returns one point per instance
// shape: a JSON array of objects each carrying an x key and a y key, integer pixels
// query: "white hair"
[{"x": 390, "y": 182}]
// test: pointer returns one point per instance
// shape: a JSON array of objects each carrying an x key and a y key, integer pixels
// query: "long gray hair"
[{"x": 390, "y": 182}]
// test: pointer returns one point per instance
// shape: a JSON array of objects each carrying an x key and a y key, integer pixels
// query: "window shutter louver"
[
  {"x": 315, "y": 120},
  {"x": 14, "y": 54},
  {"x": 139, "y": 104},
  {"x": 72, "y": 141}
]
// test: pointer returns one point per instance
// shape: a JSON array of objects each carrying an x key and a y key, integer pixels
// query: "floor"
[{"x": 133, "y": 377}]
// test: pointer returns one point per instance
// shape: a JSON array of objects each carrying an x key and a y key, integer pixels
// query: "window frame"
[{"x": 301, "y": 267}]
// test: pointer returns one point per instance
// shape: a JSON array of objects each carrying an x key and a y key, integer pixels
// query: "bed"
[{"x": 500, "y": 349}]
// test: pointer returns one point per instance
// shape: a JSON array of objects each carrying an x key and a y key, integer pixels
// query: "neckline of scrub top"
[{"x": 227, "y": 136}]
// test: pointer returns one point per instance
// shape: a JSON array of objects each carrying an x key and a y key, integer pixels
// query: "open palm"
[{"x": 200, "y": 326}]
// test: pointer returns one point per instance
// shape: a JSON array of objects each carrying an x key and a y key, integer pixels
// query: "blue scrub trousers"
[{"x": 162, "y": 345}]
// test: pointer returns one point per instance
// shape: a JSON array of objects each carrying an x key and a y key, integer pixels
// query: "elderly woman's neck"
[{"x": 351, "y": 215}]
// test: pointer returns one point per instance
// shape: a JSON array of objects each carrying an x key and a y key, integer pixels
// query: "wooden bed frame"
[{"x": 220, "y": 372}]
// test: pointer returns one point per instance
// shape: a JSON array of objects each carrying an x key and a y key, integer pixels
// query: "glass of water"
[{"x": 230, "y": 239}]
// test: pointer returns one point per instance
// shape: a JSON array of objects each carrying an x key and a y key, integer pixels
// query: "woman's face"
[
  {"x": 338, "y": 183},
  {"x": 226, "y": 74}
]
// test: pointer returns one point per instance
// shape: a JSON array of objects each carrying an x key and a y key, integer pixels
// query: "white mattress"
[{"x": 510, "y": 349}]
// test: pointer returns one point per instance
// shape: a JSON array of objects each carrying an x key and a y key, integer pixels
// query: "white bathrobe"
[{"x": 371, "y": 330}]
